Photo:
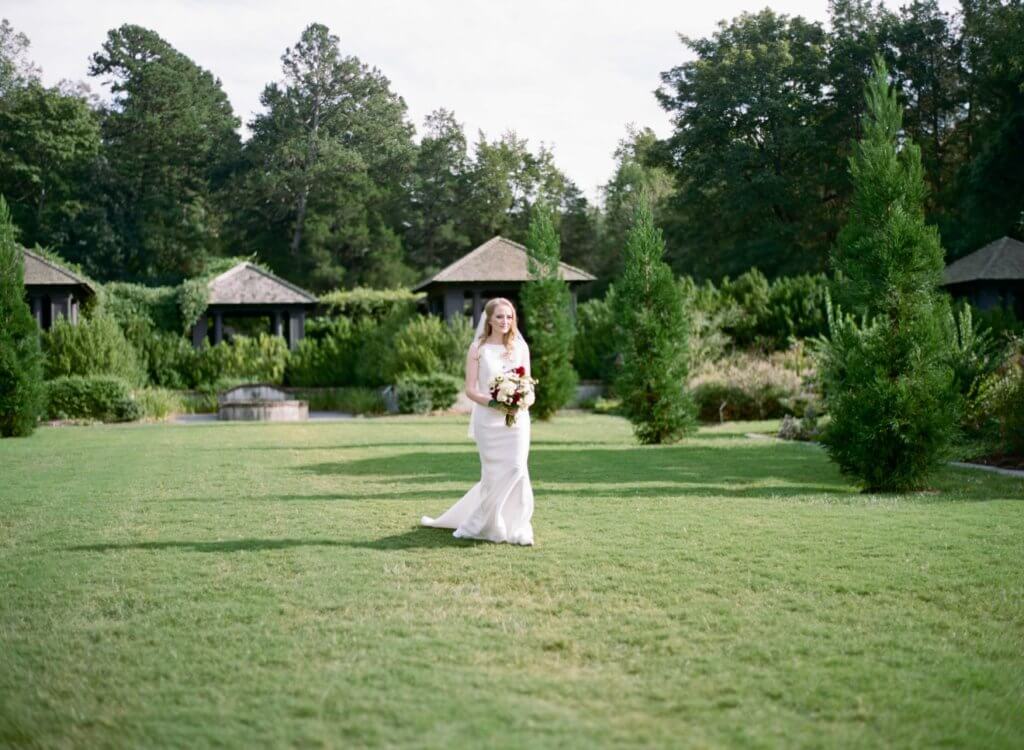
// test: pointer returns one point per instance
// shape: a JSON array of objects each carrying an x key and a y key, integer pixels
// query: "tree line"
[{"x": 331, "y": 188}]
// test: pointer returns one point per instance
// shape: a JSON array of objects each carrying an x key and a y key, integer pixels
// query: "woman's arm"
[
  {"x": 472, "y": 372},
  {"x": 526, "y": 357}
]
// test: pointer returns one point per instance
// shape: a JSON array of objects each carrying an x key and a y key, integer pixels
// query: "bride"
[{"x": 498, "y": 508}]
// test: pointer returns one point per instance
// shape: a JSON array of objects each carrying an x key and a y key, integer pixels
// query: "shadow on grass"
[
  {"x": 750, "y": 469},
  {"x": 614, "y": 471},
  {"x": 467, "y": 444},
  {"x": 418, "y": 538},
  {"x": 234, "y": 545}
]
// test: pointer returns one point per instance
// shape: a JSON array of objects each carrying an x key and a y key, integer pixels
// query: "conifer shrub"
[
  {"x": 21, "y": 359},
  {"x": 653, "y": 335},
  {"x": 547, "y": 311},
  {"x": 885, "y": 371}
]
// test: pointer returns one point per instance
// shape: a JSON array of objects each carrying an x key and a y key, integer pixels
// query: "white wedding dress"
[{"x": 498, "y": 508}]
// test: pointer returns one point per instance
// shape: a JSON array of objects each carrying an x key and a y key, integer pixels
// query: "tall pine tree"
[
  {"x": 888, "y": 385},
  {"x": 21, "y": 360},
  {"x": 547, "y": 309},
  {"x": 654, "y": 332},
  {"x": 168, "y": 141}
]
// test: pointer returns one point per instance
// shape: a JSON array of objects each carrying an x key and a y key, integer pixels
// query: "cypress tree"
[
  {"x": 547, "y": 308},
  {"x": 653, "y": 333},
  {"x": 888, "y": 384},
  {"x": 21, "y": 359}
]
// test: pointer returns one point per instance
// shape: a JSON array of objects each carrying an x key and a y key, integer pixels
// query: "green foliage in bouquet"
[
  {"x": 547, "y": 311},
  {"x": 21, "y": 360},
  {"x": 653, "y": 334},
  {"x": 887, "y": 380}
]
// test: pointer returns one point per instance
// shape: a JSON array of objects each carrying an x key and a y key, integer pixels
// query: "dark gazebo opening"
[
  {"x": 52, "y": 291},
  {"x": 990, "y": 277}
]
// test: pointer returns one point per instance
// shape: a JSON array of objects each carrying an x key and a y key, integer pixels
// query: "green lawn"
[{"x": 266, "y": 585}]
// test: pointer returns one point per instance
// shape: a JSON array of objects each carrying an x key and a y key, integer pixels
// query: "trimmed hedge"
[
  {"x": 377, "y": 304},
  {"x": 371, "y": 352},
  {"x": 103, "y": 397},
  {"x": 419, "y": 394}
]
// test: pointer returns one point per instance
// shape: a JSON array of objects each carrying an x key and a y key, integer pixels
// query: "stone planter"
[{"x": 260, "y": 403}]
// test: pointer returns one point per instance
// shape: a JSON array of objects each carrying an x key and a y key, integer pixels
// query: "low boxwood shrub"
[
  {"x": 413, "y": 398},
  {"x": 443, "y": 389},
  {"x": 106, "y": 398},
  {"x": 438, "y": 389}
]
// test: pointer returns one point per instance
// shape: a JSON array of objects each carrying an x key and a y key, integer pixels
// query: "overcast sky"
[{"x": 568, "y": 73}]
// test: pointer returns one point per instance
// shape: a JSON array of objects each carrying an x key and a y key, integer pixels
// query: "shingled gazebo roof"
[
  {"x": 40, "y": 271},
  {"x": 1002, "y": 260},
  {"x": 498, "y": 259},
  {"x": 248, "y": 284}
]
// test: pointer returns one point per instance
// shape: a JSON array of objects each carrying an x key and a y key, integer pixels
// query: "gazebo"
[
  {"x": 990, "y": 277},
  {"x": 498, "y": 268},
  {"x": 248, "y": 291},
  {"x": 53, "y": 291}
]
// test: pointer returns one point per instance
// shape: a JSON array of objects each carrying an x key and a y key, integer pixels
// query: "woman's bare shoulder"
[{"x": 474, "y": 349}]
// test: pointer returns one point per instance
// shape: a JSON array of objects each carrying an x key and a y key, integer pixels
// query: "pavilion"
[
  {"x": 248, "y": 291},
  {"x": 497, "y": 268},
  {"x": 990, "y": 277},
  {"x": 53, "y": 291}
]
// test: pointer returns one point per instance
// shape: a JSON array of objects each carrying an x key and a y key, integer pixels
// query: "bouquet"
[{"x": 511, "y": 392}]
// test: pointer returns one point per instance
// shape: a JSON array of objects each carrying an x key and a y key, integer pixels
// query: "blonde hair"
[{"x": 510, "y": 337}]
